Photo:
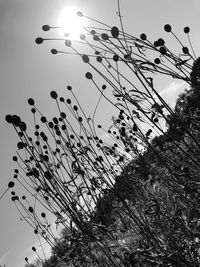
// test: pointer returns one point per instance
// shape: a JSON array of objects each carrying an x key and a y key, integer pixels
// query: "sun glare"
[{"x": 72, "y": 23}]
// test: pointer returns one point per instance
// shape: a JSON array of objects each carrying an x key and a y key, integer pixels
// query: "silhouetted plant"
[{"x": 132, "y": 200}]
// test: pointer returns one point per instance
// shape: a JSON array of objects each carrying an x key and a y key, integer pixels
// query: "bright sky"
[{"x": 28, "y": 70}]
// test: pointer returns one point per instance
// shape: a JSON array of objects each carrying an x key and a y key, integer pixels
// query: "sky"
[{"x": 28, "y": 70}]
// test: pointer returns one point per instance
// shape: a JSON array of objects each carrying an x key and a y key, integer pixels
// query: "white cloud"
[{"x": 171, "y": 92}]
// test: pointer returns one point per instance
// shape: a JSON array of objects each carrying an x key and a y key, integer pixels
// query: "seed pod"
[
  {"x": 54, "y": 51},
  {"x": 115, "y": 57},
  {"x": 115, "y": 32},
  {"x": 80, "y": 14},
  {"x": 68, "y": 43},
  {"x": 39, "y": 40},
  {"x": 43, "y": 215},
  {"x": 85, "y": 59},
  {"x": 8, "y": 118},
  {"x": 163, "y": 50},
  {"x": 157, "y": 61},
  {"x": 186, "y": 30},
  {"x": 54, "y": 95},
  {"x": 11, "y": 184},
  {"x": 31, "y": 210},
  {"x": 167, "y": 28},
  {"x": 43, "y": 119},
  {"x": 185, "y": 50},
  {"x": 143, "y": 36},
  {"x": 88, "y": 75},
  {"x": 104, "y": 36},
  {"x": 46, "y": 28},
  {"x": 20, "y": 145}
]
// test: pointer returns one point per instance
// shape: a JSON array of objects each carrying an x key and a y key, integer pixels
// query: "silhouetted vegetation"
[{"x": 131, "y": 199}]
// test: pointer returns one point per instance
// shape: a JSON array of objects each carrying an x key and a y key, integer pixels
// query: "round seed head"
[
  {"x": 96, "y": 38},
  {"x": 163, "y": 50},
  {"x": 85, "y": 59},
  {"x": 82, "y": 37},
  {"x": 46, "y": 28},
  {"x": 31, "y": 210},
  {"x": 161, "y": 42},
  {"x": 185, "y": 50},
  {"x": 16, "y": 120},
  {"x": 88, "y": 75},
  {"x": 54, "y": 95},
  {"x": 115, "y": 32},
  {"x": 22, "y": 126},
  {"x": 80, "y": 14},
  {"x": 47, "y": 175},
  {"x": 43, "y": 215},
  {"x": 43, "y": 119},
  {"x": 11, "y": 184},
  {"x": 8, "y": 118},
  {"x": 186, "y": 30},
  {"x": 104, "y": 36},
  {"x": 68, "y": 43},
  {"x": 54, "y": 51},
  {"x": 143, "y": 36},
  {"x": 167, "y": 28},
  {"x": 20, "y": 145},
  {"x": 157, "y": 61},
  {"x": 39, "y": 40},
  {"x": 115, "y": 57},
  {"x": 99, "y": 59}
]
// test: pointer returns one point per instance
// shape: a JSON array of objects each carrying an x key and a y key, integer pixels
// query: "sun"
[{"x": 72, "y": 24}]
